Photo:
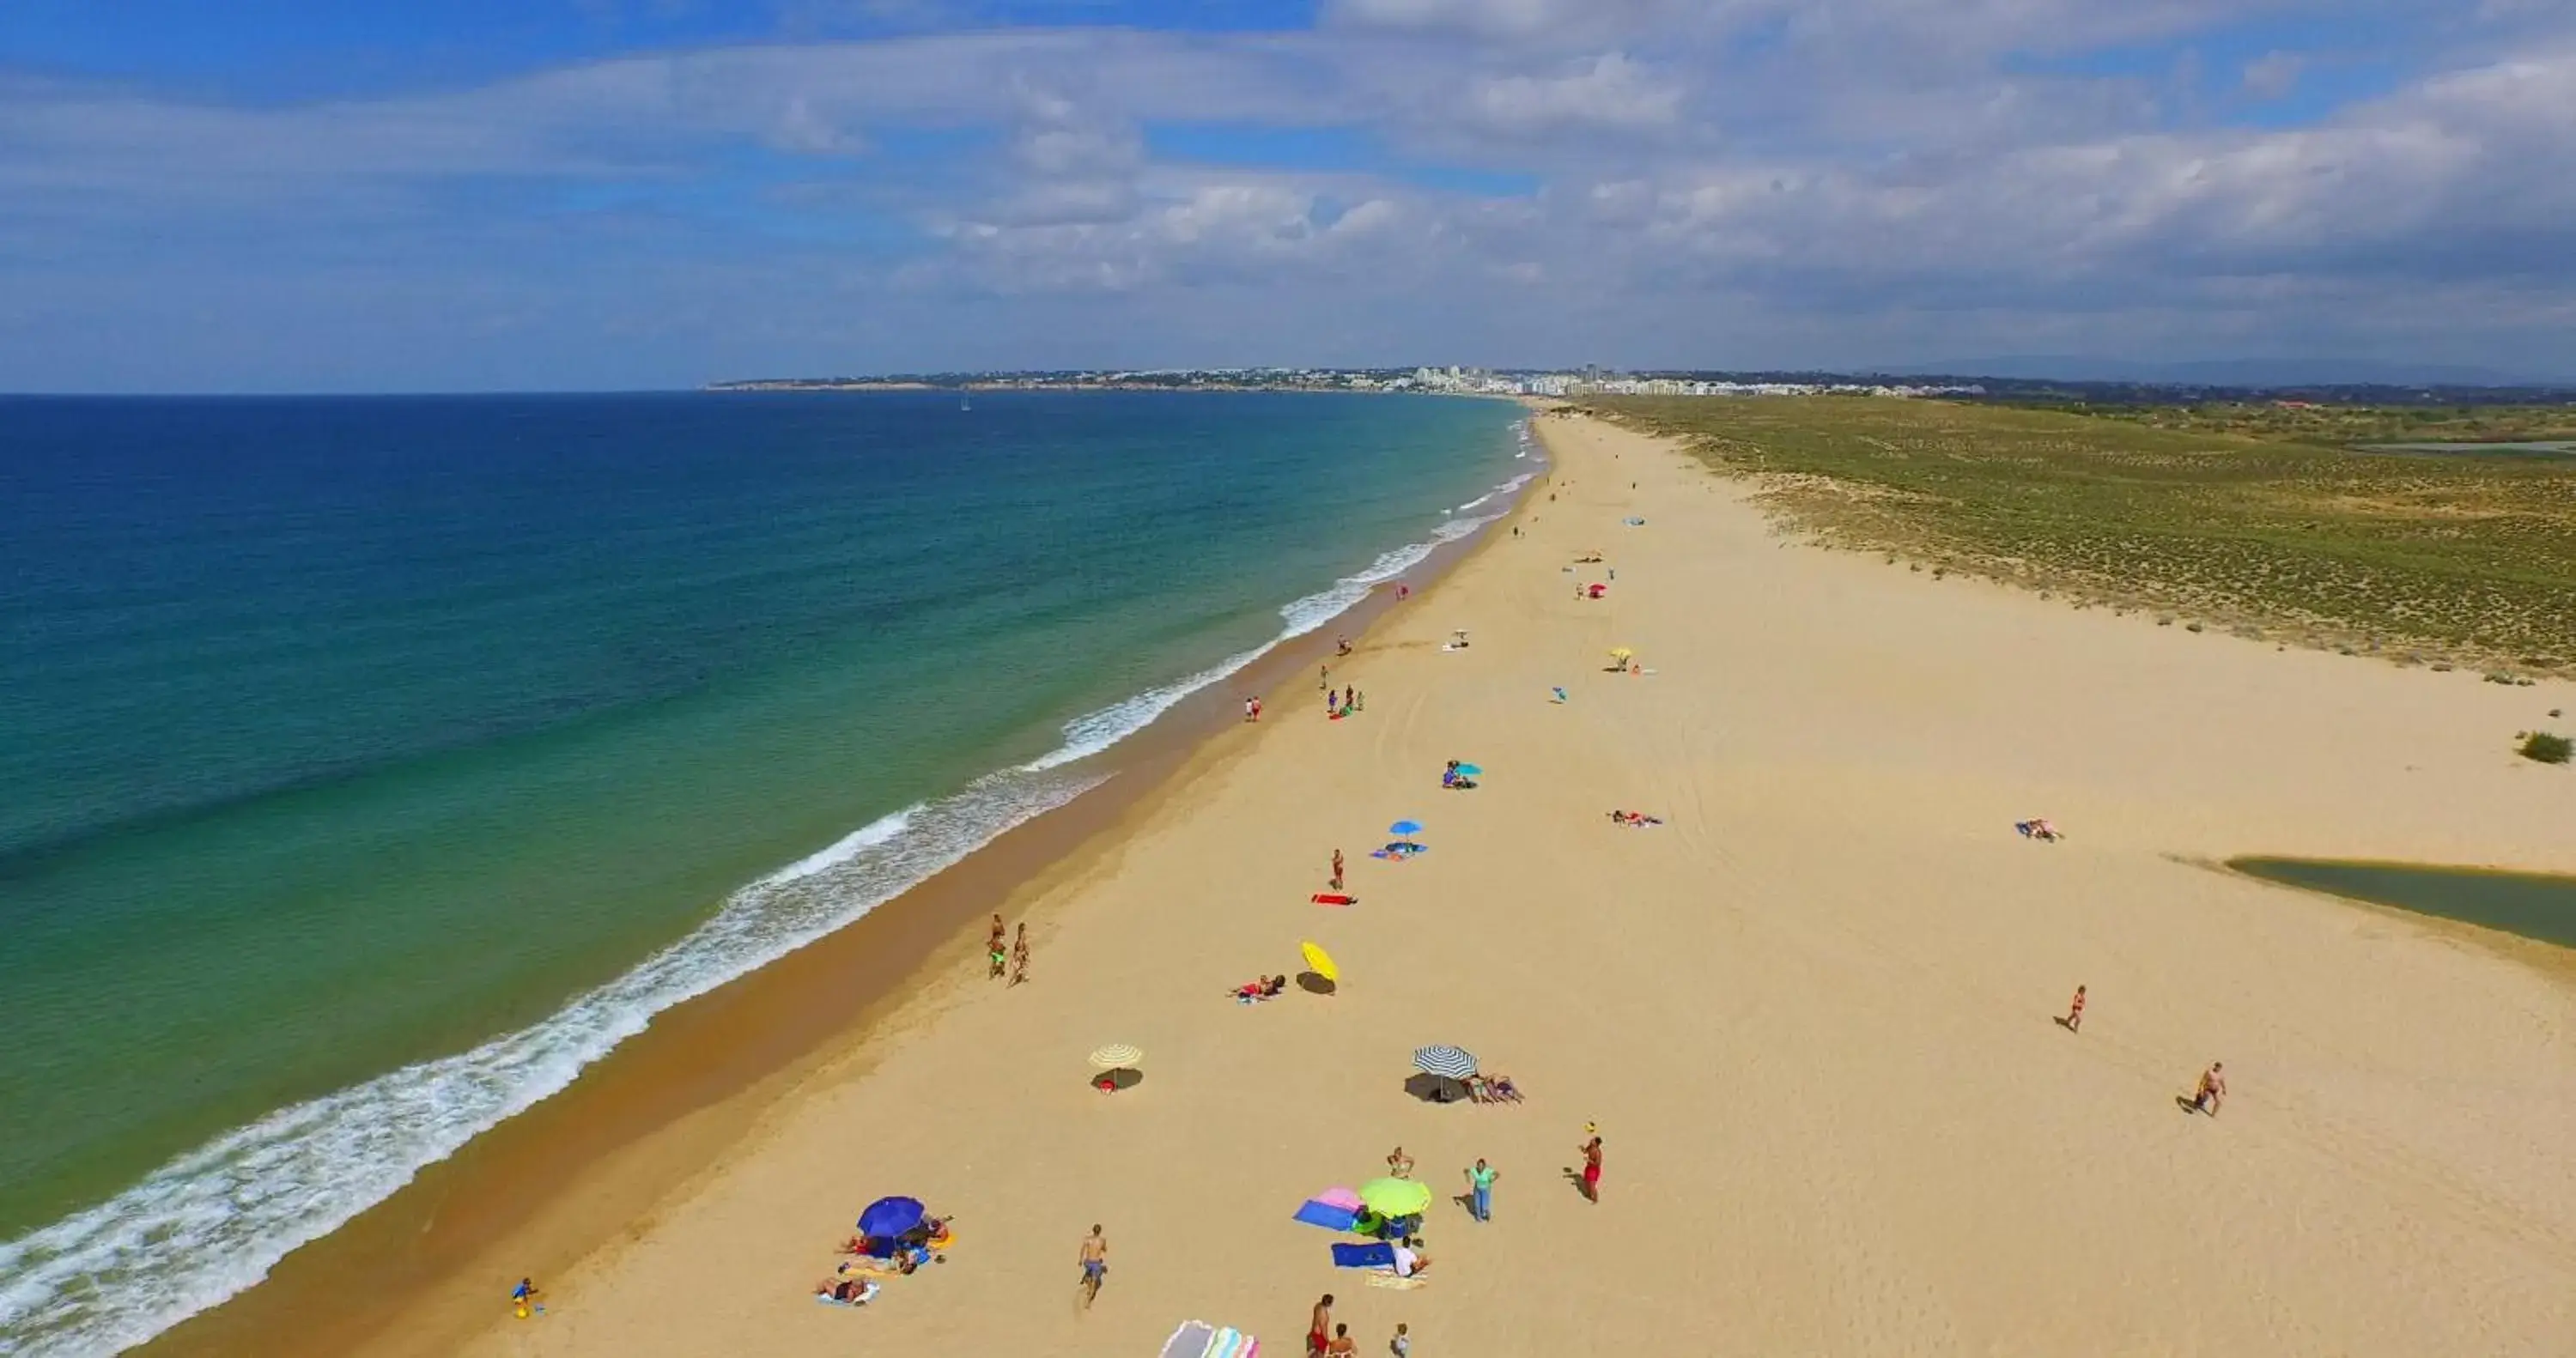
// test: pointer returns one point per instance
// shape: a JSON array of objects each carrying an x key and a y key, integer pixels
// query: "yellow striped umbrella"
[
  {"x": 1116, "y": 1056},
  {"x": 1320, "y": 962}
]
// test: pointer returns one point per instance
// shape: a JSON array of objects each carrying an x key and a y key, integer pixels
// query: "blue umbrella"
[
  {"x": 890, "y": 1216},
  {"x": 1405, "y": 827},
  {"x": 1472, "y": 770}
]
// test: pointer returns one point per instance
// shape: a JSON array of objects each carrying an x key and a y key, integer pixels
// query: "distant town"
[
  {"x": 1447, "y": 381},
  {"x": 1595, "y": 381}
]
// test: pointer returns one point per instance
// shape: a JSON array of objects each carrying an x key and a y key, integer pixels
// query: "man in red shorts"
[{"x": 1319, "y": 1329}]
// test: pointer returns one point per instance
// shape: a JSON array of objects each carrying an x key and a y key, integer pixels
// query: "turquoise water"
[
  {"x": 382, "y": 762},
  {"x": 2532, "y": 905}
]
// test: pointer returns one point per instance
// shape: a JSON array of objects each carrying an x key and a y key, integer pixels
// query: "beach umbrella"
[
  {"x": 1116, "y": 1056},
  {"x": 1393, "y": 1198},
  {"x": 887, "y": 1217},
  {"x": 1320, "y": 962},
  {"x": 1405, "y": 827},
  {"x": 1449, "y": 1063},
  {"x": 1472, "y": 770}
]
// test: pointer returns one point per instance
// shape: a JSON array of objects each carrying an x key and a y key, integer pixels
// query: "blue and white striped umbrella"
[{"x": 1449, "y": 1063}]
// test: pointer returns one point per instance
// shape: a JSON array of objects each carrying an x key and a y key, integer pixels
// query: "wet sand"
[{"x": 1814, "y": 1013}]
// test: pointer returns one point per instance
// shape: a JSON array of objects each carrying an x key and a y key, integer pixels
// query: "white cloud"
[
  {"x": 1608, "y": 92},
  {"x": 1710, "y": 175}
]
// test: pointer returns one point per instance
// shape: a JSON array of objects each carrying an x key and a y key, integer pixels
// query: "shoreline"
[
  {"x": 1811, "y": 1011},
  {"x": 563, "y": 1178}
]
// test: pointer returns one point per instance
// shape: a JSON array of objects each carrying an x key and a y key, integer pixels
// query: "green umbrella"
[{"x": 1395, "y": 1197}]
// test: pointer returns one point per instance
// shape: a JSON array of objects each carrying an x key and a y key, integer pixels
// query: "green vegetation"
[
  {"x": 2341, "y": 426},
  {"x": 2546, "y": 748},
  {"x": 2467, "y": 559}
]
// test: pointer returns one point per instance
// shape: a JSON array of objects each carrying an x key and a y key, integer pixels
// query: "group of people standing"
[{"x": 1014, "y": 958}]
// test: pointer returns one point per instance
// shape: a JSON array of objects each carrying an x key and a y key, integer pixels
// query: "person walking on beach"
[
  {"x": 2213, "y": 1089},
  {"x": 993, "y": 951},
  {"x": 1020, "y": 955},
  {"x": 2074, "y": 1019},
  {"x": 1402, "y": 1345},
  {"x": 1095, "y": 1264},
  {"x": 1319, "y": 1326},
  {"x": 1323, "y": 676},
  {"x": 1252, "y": 709},
  {"x": 1399, "y": 1164},
  {"x": 1592, "y": 1166},
  {"x": 1480, "y": 1187},
  {"x": 1337, "y": 869}
]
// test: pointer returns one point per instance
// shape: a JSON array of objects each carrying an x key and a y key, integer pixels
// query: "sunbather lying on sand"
[
  {"x": 846, "y": 1291},
  {"x": 1618, "y": 817},
  {"x": 2039, "y": 827},
  {"x": 1260, "y": 988}
]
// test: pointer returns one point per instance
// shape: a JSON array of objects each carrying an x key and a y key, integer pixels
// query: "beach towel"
[
  {"x": 1340, "y": 1197},
  {"x": 867, "y": 1293},
  {"x": 1191, "y": 1340},
  {"x": 1327, "y": 1215},
  {"x": 1335, "y": 898},
  {"x": 1380, "y": 1255},
  {"x": 1198, "y": 1339},
  {"x": 1399, "y": 1284}
]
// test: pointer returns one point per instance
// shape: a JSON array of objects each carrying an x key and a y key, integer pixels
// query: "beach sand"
[{"x": 1813, "y": 1013}]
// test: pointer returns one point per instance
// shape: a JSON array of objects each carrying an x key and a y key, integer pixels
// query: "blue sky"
[{"x": 280, "y": 195}]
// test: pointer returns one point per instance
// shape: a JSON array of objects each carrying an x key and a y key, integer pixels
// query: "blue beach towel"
[
  {"x": 1380, "y": 1255},
  {"x": 1328, "y": 1216}
]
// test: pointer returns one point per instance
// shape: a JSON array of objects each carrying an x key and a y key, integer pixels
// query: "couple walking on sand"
[
  {"x": 1017, "y": 957},
  {"x": 2210, "y": 1093}
]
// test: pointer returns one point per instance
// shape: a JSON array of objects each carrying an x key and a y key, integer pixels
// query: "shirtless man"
[
  {"x": 1318, "y": 1327},
  {"x": 1020, "y": 955},
  {"x": 2213, "y": 1089},
  {"x": 1095, "y": 1264},
  {"x": 1341, "y": 1347},
  {"x": 1337, "y": 869}
]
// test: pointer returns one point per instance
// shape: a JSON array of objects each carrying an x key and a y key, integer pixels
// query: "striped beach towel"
[{"x": 1198, "y": 1339}]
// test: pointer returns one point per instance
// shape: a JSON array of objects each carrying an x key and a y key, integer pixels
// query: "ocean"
[{"x": 376, "y": 764}]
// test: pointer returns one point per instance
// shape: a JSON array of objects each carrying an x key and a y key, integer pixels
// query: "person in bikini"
[
  {"x": 994, "y": 956},
  {"x": 2074, "y": 1019}
]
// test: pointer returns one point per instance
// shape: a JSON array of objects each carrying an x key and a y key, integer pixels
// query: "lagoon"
[{"x": 2532, "y": 905}]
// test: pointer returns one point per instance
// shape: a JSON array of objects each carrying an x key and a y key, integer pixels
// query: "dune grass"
[{"x": 2458, "y": 559}]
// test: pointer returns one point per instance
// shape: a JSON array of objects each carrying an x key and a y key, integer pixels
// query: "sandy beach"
[{"x": 1813, "y": 1012}]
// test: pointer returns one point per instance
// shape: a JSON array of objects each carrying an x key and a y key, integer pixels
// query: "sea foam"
[{"x": 212, "y": 1222}]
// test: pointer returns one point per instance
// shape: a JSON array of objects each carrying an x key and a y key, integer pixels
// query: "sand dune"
[{"x": 1812, "y": 1013}]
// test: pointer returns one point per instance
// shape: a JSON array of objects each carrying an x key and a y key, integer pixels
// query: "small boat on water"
[{"x": 965, "y": 403}]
